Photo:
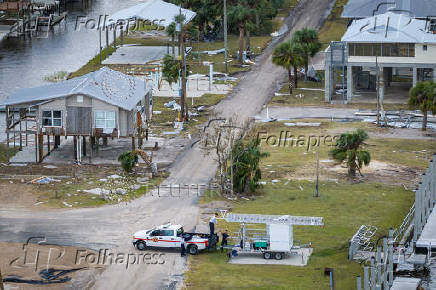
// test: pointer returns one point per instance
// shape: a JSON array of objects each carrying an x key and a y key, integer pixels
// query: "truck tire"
[
  {"x": 278, "y": 256},
  {"x": 141, "y": 245},
  {"x": 193, "y": 249},
  {"x": 267, "y": 255}
]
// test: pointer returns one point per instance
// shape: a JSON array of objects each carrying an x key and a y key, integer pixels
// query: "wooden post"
[
  {"x": 91, "y": 142},
  {"x": 21, "y": 135},
  {"x": 75, "y": 147},
  {"x": 99, "y": 45},
  {"x": 121, "y": 35},
  {"x": 48, "y": 144},
  {"x": 41, "y": 146},
  {"x": 26, "y": 131},
  {"x": 107, "y": 40},
  {"x": 2, "y": 287},
  {"x": 84, "y": 145},
  {"x": 115, "y": 36},
  {"x": 133, "y": 143},
  {"x": 57, "y": 141}
]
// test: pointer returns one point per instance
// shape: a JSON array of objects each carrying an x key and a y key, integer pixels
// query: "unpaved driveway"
[{"x": 112, "y": 226}]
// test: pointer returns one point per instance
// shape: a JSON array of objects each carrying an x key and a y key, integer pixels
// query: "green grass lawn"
[
  {"x": 344, "y": 205},
  {"x": 165, "y": 120}
]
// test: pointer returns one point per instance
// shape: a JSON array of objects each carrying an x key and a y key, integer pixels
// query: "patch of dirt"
[
  {"x": 17, "y": 195},
  {"x": 377, "y": 171},
  {"x": 29, "y": 263}
]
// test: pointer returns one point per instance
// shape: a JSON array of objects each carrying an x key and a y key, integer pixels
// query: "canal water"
[{"x": 25, "y": 62}]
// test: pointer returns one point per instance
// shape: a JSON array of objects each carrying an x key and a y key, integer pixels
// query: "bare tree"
[{"x": 218, "y": 137}]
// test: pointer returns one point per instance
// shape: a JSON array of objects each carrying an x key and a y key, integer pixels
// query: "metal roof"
[
  {"x": 368, "y": 8},
  {"x": 152, "y": 10},
  {"x": 107, "y": 85},
  {"x": 389, "y": 28}
]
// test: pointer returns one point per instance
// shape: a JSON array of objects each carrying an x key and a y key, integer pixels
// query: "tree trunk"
[
  {"x": 201, "y": 31},
  {"x": 424, "y": 121},
  {"x": 290, "y": 80},
  {"x": 248, "y": 44},
  {"x": 295, "y": 77},
  {"x": 241, "y": 41},
  {"x": 174, "y": 45},
  {"x": 306, "y": 69},
  {"x": 352, "y": 171}
]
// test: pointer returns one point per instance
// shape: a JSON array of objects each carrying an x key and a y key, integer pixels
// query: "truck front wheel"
[
  {"x": 193, "y": 249},
  {"x": 140, "y": 245},
  {"x": 267, "y": 255}
]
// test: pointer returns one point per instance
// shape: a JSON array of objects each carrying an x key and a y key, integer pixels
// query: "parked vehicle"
[{"x": 170, "y": 236}]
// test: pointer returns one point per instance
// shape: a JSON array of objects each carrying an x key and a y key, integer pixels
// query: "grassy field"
[
  {"x": 335, "y": 26},
  {"x": 344, "y": 205},
  {"x": 165, "y": 120}
]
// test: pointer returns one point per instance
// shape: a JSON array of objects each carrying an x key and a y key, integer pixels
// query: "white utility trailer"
[{"x": 274, "y": 242}]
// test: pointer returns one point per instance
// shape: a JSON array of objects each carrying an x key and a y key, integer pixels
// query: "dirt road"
[{"x": 112, "y": 226}]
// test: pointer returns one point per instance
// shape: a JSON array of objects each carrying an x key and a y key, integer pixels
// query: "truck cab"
[{"x": 170, "y": 236}]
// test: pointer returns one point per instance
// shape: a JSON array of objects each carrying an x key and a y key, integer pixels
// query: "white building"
[{"x": 379, "y": 48}]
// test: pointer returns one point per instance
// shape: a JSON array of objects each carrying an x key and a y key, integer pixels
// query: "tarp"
[{"x": 156, "y": 11}]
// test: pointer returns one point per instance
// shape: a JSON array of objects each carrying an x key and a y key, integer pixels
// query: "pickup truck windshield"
[{"x": 180, "y": 232}]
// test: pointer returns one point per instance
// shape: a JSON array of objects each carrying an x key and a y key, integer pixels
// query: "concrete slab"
[
  {"x": 196, "y": 87},
  {"x": 131, "y": 54},
  {"x": 298, "y": 257},
  {"x": 428, "y": 235},
  {"x": 405, "y": 283}
]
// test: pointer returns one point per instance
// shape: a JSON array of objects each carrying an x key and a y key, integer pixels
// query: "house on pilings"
[
  {"x": 86, "y": 110},
  {"x": 380, "y": 58}
]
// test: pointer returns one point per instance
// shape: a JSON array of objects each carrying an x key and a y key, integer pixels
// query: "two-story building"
[{"x": 377, "y": 48}]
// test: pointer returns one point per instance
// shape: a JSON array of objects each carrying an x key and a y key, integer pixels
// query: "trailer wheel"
[
  {"x": 278, "y": 256},
  {"x": 140, "y": 245},
  {"x": 267, "y": 255},
  {"x": 193, "y": 249}
]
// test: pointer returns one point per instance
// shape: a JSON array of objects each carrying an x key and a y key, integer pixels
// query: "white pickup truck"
[{"x": 170, "y": 236}]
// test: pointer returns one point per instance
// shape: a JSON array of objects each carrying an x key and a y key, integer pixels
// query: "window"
[
  {"x": 105, "y": 120},
  {"x": 167, "y": 233},
  {"x": 52, "y": 118},
  {"x": 424, "y": 47}
]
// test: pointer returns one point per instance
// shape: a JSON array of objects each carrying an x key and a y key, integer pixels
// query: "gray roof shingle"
[{"x": 107, "y": 85}]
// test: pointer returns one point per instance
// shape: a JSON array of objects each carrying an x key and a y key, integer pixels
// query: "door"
[
  {"x": 167, "y": 239},
  {"x": 79, "y": 120}
]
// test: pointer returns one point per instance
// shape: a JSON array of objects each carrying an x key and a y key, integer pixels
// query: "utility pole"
[
  {"x": 225, "y": 37},
  {"x": 183, "y": 67},
  {"x": 317, "y": 172},
  {"x": 378, "y": 90}
]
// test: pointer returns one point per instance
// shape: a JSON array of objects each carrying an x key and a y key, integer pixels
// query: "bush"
[{"x": 128, "y": 160}]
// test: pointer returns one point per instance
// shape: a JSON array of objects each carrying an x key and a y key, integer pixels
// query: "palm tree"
[
  {"x": 171, "y": 31},
  {"x": 239, "y": 15},
  {"x": 246, "y": 172},
  {"x": 424, "y": 96},
  {"x": 310, "y": 44},
  {"x": 288, "y": 55},
  {"x": 349, "y": 148}
]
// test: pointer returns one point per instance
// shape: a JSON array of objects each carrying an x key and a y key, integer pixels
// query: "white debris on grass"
[
  {"x": 67, "y": 204},
  {"x": 103, "y": 180},
  {"x": 275, "y": 181},
  {"x": 50, "y": 166},
  {"x": 301, "y": 188},
  {"x": 135, "y": 186},
  {"x": 114, "y": 176},
  {"x": 97, "y": 191},
  {"x": 142, "y": 180},
  {"x": 121, "y": 191},
  {"x": 303, "y": 124}
]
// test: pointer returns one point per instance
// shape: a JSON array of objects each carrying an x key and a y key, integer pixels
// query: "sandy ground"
[{"x": 112, "y": 226}]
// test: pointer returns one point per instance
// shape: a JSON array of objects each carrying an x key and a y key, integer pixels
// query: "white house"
[{"x": 377, "y": 48}]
